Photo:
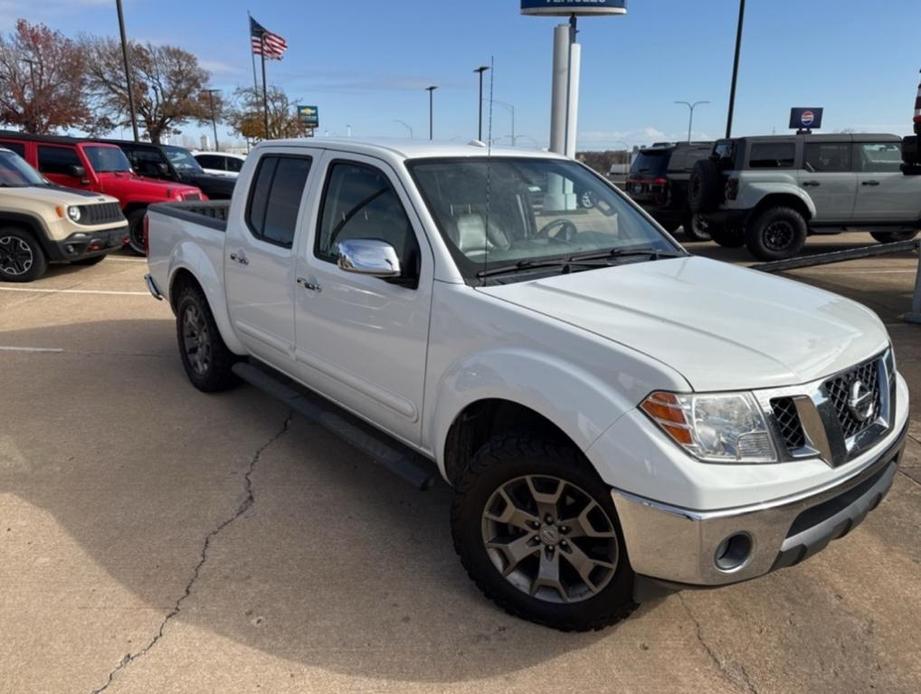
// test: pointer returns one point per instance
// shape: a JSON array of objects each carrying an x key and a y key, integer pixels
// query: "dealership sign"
[
  {"x": 573, "y": 7},
  {"x": 807, "y": 118},
  {"x": 309, "y": 116}
]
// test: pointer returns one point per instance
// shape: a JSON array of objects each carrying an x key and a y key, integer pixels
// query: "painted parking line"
[
  {"x": 110, "y": 259},
  {"x": 30, "y": 349},
  {"x": 104, "y": 292}
]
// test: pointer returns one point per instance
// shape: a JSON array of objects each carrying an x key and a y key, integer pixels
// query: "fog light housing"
[{"x": 733, "y": 552}]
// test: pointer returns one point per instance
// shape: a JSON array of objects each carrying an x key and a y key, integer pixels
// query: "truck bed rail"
[{"x": 212, "y": 214}]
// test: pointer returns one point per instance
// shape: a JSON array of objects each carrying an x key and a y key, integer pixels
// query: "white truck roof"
[{"x": 407, "y": 149}]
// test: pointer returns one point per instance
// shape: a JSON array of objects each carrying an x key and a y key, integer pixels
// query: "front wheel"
[
  {"x": 21, "y": 257},
  {"x": 893, "y": 236},
  {"x": 136, "y": 232},
  {"x": 777, "y": 233},
  {"x": 537, "y": 531},
  {"x": 207, "y": 360}
]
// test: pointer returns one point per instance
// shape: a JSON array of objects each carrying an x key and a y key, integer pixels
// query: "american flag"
[{"x": 265, "y": 42}]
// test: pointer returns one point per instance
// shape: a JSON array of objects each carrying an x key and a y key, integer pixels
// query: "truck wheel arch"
[
  {"x": 182, "y": 277},
  {"x": 783, "y": 200}
]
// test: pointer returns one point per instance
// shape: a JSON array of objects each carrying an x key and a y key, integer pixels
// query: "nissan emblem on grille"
[{"x": 861, "y": 402}]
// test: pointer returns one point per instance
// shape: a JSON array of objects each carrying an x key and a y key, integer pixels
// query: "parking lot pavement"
[{"x": 153, "y": 538}]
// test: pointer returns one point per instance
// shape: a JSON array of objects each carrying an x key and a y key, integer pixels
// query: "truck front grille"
[
  {"x": 838, "y": 391},
  {"x": 103, "y": 213},
  {"x": 191, "y": 196},
  {"x": 788, "y": 425}
]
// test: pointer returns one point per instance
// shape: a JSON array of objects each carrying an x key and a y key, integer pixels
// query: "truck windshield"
[
  {"x": 16, "y": 173},
  {"x": 182, "y": 160},
  {"x": 511, "y": 211},
  {"x": 107, "y": 159}
]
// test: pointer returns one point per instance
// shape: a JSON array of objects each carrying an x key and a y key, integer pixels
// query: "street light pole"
[
  {"x": 211, "y": 93},
  {"x": 735, "y": 69},
  {"x": 480, "y": 70},
  {"x": 691, "y": 108},
  {"x": 431, "y": 91},
  {"x": 121, "y": 29},
  {"x": 407, "y": 126}
]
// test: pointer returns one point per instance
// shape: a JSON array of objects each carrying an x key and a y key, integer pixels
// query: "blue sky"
[{"x": 365, "y": 63}]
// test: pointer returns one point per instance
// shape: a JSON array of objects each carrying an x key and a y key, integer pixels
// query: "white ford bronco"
[
  {"x": 615, "y": 415},
  {"x": 42, "y": 223},
  {"x": 770, "y": 192}
]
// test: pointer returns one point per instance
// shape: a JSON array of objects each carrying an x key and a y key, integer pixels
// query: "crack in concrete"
[
  {"x": 243, "y": 507},
  {"x": 740, "y": 679}
]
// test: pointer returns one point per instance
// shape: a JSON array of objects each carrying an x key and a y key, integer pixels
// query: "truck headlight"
[
  {"x": 74, "y": 213},
  {"x": 714, "y": 427}
]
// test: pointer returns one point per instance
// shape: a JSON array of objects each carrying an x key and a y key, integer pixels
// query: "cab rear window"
[{"x": 772, "y": 155}]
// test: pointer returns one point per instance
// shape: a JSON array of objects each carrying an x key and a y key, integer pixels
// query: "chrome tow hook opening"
[{"x": 733, "y": 552}]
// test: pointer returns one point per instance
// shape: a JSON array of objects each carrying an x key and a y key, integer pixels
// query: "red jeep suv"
[{"x": 101, "y": 168}]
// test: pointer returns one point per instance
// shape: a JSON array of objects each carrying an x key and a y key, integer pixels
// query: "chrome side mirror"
[{"x": 369, "y": 257}]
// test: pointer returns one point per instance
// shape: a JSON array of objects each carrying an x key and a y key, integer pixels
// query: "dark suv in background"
[
  {"x": 172, "y": 163},
  {"x": 658, "y": 180}
]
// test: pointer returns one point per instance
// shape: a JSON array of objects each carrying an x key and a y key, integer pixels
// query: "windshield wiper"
[
  {"x": 566, "y": 264},
  {"x": 615, "y": 253}
]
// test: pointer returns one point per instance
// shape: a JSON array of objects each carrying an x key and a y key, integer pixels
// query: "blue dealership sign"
[
  {"x": 806, "y": 118},
  {"x": 570, "y": 7}
]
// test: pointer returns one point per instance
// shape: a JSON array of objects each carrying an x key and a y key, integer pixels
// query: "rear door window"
[
  {"x": 18, "y": 147},
  {"x": 650, "y": 163},
  {"x": 275, "y": 198},
  {"x": 233, "y": 164},
  {"x": 772, "y": 155},
  {"x": 828, "y": 157},
  {"x": 210, "y": 161},
  {"x": 878, "y": 157},
  {"x": 57, "y": 160}
]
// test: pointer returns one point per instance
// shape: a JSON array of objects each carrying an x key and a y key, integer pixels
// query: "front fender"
[
  {"x": 189, "y": 255},
  {"x": 579, "y": 403}
]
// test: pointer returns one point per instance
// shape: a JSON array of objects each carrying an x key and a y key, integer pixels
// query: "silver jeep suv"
[{"x": 771, "y": 192}]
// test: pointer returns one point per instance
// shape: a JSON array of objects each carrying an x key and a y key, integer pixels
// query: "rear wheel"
[
  {"x": 207, "y": 360},
  {"x": 21, "y": 257},
  {"x": 696, "y": 227},
  {"x": 136, "y": 232},
  {"x": 537, "y": 531},
  {"x": 776, "y": 233},
  {"x": 893, "y": 236}
]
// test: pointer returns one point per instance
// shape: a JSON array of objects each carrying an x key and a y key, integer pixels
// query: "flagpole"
[
  {"x": 251, "y": 54},
  {"x": 265, "y": 92}
]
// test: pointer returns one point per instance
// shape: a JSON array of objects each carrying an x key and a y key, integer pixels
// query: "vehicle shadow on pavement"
[{"x": 335, "y": 564}]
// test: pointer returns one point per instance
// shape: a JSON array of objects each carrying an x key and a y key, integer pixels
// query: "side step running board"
[{"x": 391, "y": 454}]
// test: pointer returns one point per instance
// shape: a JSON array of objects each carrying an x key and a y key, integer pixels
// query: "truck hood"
[
  {"x": 722, "y": 327},
  {"x": 51, "y": 195},
  {"x": 130, "y": 185}
]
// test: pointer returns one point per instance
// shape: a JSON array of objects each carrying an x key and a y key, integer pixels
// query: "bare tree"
[
  {"x": 167, "y": 81},
  {"x": 42, "y": 80},
  {"x": 245, "y": 116}
]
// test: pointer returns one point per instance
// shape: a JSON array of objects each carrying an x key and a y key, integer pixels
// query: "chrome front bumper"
[{"x": 681, "y": 546}]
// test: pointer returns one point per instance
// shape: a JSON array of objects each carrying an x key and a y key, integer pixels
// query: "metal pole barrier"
[{"x": 914, "y": 315}]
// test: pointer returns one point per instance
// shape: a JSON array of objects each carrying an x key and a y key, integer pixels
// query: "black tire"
[
  {"x": 95, "y": 260},
  {"x": 21, "y": 256},
  {"x": 776, "y": 233},
  {"x": 205, "y": 357},
  {"x": 696, "y": 227},
  {"x": 705, "y": 187},
  {"x": 727, "y": 237},
  {"x": 506, "y": 460},
  {"x": 893, "y": 236},
  {"x": 136, "y": 232}
]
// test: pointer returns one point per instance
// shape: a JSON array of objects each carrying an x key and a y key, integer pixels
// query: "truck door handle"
[
  {"x": 239, "y": 257},
  {"x": 815, "y": 184},
  {"x": 870, "y": 183},
  {"x": 310, "y": 286}
]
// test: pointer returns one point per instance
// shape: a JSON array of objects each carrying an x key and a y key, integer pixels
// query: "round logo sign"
[
  {"x": 808, "y": 118},
  {"x": 861, "y": 401}
]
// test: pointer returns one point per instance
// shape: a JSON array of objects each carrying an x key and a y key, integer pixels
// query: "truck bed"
[{"x": 211, "y": 214}]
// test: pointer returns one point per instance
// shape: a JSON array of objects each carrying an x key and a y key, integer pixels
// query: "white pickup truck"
[{"x": 614, "y": 414}]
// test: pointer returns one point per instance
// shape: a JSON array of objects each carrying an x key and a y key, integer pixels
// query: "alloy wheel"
[
  {"x": 196, "y": 340},
  {"x": 550, "y": 539},
  {"x": 16, "y": 257},
  {"x": 779, "y": 235}
]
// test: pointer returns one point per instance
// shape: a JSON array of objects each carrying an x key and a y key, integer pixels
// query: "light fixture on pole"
[
  {"x": 480, "y": 70},
  {"x": 211, "y": 93},
  {"x": 431, "y": 91},
  {"x": 691, "y": 108},
  {"x": 121, "y": 29}
]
